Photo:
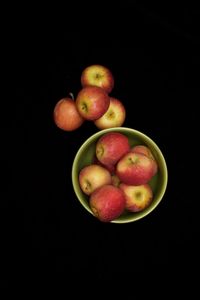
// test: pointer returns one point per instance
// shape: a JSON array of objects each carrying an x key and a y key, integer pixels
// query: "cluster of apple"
[
  {"x": 118, "y": 178},
  {"x": 93, "y": 102}
]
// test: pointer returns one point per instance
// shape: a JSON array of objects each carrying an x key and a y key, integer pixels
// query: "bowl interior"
[{"x": 158, "y": 183}]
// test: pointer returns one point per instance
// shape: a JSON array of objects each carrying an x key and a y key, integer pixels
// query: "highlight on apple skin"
[
  {"x": 92, "y": 177},
  {"x": 107, "y": 203},
  {"x": 111, "y": 147},
  {"x": 114, "y": 116},
  {"x": 66, "y": 115},
  {"x": 138, "y": 197},
  {"x": 135, "y": 168},
  {"x": 98, "y": 75},
  {"x": 92, "y": 102},
  {"x": 146, "y": 151}
]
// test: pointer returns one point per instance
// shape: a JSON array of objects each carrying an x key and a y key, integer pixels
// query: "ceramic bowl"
[{"x": 158, "y": 183}]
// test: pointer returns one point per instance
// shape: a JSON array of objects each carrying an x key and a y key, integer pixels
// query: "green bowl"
[{"x": 158, "y": 183}]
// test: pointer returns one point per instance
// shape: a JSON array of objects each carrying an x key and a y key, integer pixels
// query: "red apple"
[
  {"x": 146, "y": 151},
  {"x": 111, "y": 147},
  {"x": 113, "y": 117},
  {"x": 137, "y": 197},
  {"x": 135, "y": 168},
  {"x": 92, "y": 102},
  {"x": 92, "y": 177},
  {"x": 107, "y": 203},
  {"x": 66, "y": 115},
  {"x": 98, "y": 75}
]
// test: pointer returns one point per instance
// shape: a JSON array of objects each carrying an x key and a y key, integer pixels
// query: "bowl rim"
[{"x": 99, "y": 133}]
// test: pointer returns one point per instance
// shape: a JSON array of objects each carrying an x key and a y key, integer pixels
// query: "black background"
[{"x": 48, "y": 239}]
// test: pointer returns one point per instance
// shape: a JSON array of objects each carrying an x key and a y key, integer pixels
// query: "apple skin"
[
  {"x": 98, "y": 75},
  {"x": 107, "y": 203},
  {"x": 92, "y": 177},
  {"x": 138, "y": 197},
  {"x": 111, "y": 147},
  {"x": 92, "y": 102},
  {"x": 146, "y": 151},
  {"x": 135, "y": 168},
  {"x": 114, "y": 116},
  {"x": 66, "y": 115}
]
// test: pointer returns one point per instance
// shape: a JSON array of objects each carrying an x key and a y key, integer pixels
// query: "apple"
[
  {"x": 107, "y": 203},
  {"x": 138, "y": 197},
  {"x": 97, "y": 75},
  {"x": 111, "y": 147},
  {"x": 66, "y": 115},
  {"x": 113, "y": 117},
  {"x": 135, "y": 168},
  {"x": 92, "y": 177},
  {"x": 92, "y": 102},
  {"x": 146, "y": 151}
]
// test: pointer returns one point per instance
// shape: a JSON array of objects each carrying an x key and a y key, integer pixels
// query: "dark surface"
[{"x": 49, "y": 237}]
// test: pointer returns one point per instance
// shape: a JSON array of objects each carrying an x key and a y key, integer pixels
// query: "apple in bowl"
[
  {"x": 107, "y": 202},
  {"x": 135, "y": 168},
  {"x": 146, "y": 151},
  {"x": 137, "y": 198},
  {"x": 111, "y": 147},
  {"x": 92, "y": 177}
]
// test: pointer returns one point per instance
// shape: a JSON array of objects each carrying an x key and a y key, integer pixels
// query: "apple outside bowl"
[{"x": 158, "y": 183}]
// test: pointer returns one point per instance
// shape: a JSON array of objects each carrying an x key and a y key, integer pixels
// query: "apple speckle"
[
  {"x": 98, "y": 76},
  {"x": 138, "y": 195},
  {"x": 87, "y": 185},
  {"x": 99, "y": 151},
  {"x": 111, "y": 114},
  {"x": 130, "y": 160},
  {"x": 84, "y": 107}
]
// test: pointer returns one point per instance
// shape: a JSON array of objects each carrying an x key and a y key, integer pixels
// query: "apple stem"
[{"x": 72, "y": 95}]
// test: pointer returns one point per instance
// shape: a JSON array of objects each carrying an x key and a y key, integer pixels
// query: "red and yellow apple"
[
  {"x": 146, "y": 151},
  {"x": 111, "y": 147},
  {"x": 92, "y": 177},
  {"x": 92, "y": 102},
  {"x": 66, "y": 115},
  {"x": 97, "y": 75},
  {"x": 135, "y": 168},
  {"x": 107, "y": 203},
  {"x": 113, "y": 117},
  {"x": 138, "y": 197}
]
